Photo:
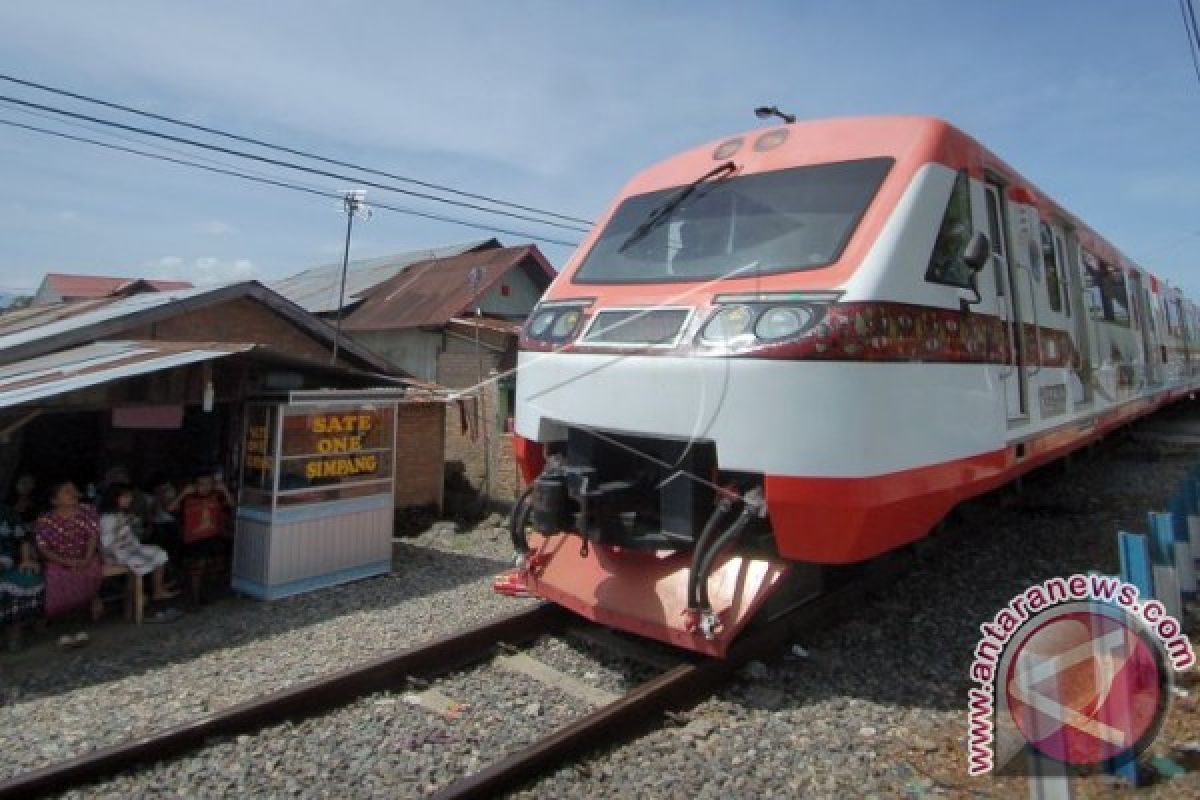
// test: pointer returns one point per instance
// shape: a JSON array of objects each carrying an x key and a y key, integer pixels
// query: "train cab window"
[
  {"x": 1106, "y": 296},
  {"x": 946, "y": 265},
  {"x": 1050, "y": 259},
  {"x": 766, "y": 222}
]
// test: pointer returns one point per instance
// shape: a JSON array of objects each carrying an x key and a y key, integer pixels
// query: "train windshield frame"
[{"x": 787, "y": 220}]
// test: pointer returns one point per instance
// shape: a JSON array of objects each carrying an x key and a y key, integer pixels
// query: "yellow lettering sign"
[{"x": 366, "y": 464}]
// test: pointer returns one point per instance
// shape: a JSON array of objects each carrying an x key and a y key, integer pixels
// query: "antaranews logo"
[{"x": 1078, "y": 669}]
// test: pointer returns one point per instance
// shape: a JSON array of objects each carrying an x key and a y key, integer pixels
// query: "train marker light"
[{"x": 726, "y": 149}]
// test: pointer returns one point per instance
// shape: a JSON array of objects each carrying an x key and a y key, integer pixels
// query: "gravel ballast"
[{"x": 874, "y": 707}]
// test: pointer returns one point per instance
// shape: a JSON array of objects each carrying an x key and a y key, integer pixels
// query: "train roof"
[{"x": 912, "y": 140}]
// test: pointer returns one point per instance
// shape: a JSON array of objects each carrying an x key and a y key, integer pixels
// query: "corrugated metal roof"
[
  {"x": 103, "y": 362},
  {"x": 433, "y": 292},
  {"x": 65, "y": 317},
  {"x": 317, "y": 289},
  {"x": 27, "y": 336},
  {"x": 21, "y": 319}
]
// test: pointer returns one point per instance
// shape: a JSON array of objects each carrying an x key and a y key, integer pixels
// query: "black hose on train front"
[
  {"x": 519, "y": 520},
  {"x": 731, "y": 534},
  {"x": 710, "y": 527}
]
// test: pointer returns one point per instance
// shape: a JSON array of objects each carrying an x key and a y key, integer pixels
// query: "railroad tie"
[{"x": 542, "y": 673}]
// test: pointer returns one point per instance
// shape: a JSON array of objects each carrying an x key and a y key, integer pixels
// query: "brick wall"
[
  {"x": 487, "y": 456},
  {"x": 420, "y": 442},
  {"x": 239, "y": 320}
]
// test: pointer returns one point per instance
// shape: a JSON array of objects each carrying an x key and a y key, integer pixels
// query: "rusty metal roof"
[
  {"x": 103, "y": 362},
  {"x": 507, "y": 327},
  {"x": 435, "y": 291},
  {"x": 80, "y": 286},
  {"x": 317, "y": 289}
]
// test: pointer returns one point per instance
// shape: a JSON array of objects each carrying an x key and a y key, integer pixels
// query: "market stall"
[{"x": 315, "y": 504}]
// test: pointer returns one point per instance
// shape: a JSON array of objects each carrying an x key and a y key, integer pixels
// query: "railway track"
[{"x": 678, "y": 687}]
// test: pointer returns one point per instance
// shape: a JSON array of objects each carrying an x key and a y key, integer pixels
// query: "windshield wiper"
[{"x": 668, "y": 207}]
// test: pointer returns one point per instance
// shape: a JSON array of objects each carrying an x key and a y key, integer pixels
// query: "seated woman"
[
  {"x": 121, "y": 546},
  {"x": 20, "y": 577},
  {"x": 68, "y": 538}
]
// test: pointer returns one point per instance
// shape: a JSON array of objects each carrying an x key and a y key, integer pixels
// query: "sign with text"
[
  {"x": 259, "y": 458},
  {"x": 333, "y": 447}
]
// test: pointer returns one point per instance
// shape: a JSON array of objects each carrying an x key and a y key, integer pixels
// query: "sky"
[{"x": 557, "y": 105}]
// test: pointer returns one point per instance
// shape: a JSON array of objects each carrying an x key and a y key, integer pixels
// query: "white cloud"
[
  {"x": 201, "y": 271},
  {"x": 214, "y": 227}
]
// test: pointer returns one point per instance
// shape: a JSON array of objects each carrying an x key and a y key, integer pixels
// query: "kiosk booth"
[{"x": 315, "y": 505}]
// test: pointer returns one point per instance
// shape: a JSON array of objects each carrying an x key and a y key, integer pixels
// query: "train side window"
[
  {"x": 946, "y": 265},
  {"x": 1174, "y": 317},
  {"x": 1064, "y": 270},
  {"x": 1050, "y": 259},
  {"x": 1106, "y": 296}
]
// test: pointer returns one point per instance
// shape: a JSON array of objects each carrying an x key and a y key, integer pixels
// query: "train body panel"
[{"x": 857, "y": 323}]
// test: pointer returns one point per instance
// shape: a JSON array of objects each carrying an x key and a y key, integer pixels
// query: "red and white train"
[{"x": 805, "y": 345}]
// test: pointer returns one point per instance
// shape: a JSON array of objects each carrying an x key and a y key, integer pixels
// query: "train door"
[
  {"x": 1082, "y": 362},
  {"x": 1142, "y": 310},
  {"x": 1015, "y": 389}
]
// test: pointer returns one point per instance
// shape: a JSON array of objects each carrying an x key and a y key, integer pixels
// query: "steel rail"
[
  {"x": 678, "y": 688},
  {"x": 296, "y": 702}
]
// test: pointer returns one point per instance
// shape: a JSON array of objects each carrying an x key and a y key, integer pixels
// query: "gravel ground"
[
  {"x": 131, "y": 682},
  {"x": 876, "y": 708}
]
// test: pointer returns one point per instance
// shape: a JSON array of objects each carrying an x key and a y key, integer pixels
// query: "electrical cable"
[
  {"x": 280, "y": 163},
  {"x": 283, "y": 184},
  {"x": 1193, "y": 33},
  {"x": 282, "y": 148}
]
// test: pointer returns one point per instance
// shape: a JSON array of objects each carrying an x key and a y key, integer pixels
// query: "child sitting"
[
  {"x": 203, "y": 508},
  {"x": 121, "y": 545}
]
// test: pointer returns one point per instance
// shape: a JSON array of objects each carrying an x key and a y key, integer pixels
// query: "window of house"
[
  {"x": 946, "y": 265},
  {"x": 1107, "y": 298},
  {"x": 1050, "y": 259}
]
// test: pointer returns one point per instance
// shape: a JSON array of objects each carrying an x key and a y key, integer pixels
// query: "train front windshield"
[{"x": 792, "y": 219}]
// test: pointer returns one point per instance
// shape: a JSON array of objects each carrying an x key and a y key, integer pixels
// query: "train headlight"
[
  {"x": 540, "y": 324},
  {"x": 554, "y": 323},
  {"x": 781, "y": 322},
  {"x": 566, "y": 324},
  {"x": 729, "y": 325}
]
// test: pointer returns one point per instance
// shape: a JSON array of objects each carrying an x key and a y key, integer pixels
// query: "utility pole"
[{"x": 353, "y": 203}]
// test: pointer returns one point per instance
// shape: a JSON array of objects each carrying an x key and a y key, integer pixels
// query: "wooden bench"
[{"x": 135, "y": 598}]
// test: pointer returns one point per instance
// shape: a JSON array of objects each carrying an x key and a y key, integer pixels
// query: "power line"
[
  {"x": 290, "y": 150},
  {"x": 1193, "y": 33},
  {"x": 281, "y": 184},
  {"x": 162, "y": 148},
  {"x": 280, "y": 163}
]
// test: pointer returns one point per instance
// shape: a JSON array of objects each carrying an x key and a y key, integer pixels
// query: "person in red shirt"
[{"x": 203, "y": 508}]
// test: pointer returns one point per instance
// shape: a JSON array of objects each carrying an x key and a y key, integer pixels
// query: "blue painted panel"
[
  {"x": 335, "y": 508},
  {"x": 1179, "y": 507},
  {"x": 1135, "y": 562},
  {"x": 256, "y": 514},
  {"x": 265, "y": 592},
  {"x": 1162, "y": 539}
]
